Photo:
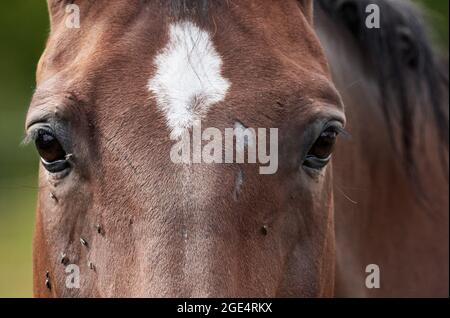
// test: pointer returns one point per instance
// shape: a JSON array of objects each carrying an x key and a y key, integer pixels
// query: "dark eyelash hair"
[{"x": 32, "y": 133}]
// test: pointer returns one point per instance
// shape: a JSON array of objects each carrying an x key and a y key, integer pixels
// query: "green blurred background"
[{"x": 23, "y": 31}]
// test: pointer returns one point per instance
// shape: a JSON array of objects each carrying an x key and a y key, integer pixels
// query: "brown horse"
[{"x": 114, "y": 95}]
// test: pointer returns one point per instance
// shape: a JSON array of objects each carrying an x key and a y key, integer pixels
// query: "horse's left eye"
[
  {"x": 320, "y": 153},
  {"x": 52, "y": 153}
]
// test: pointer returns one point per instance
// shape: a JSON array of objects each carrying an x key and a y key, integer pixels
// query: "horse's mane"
[
  {"x": 412, "y": 78},
  {"x": 180, "y": 8}
]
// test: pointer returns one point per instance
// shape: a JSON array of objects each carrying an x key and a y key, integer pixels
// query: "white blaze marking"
[{"x": 188, "y": 79}]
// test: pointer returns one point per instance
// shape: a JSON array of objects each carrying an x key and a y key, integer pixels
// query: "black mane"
[{"x": 411, "y": 76}]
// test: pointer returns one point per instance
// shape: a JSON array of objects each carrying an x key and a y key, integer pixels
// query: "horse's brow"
[{"x": 331, "y": 97}]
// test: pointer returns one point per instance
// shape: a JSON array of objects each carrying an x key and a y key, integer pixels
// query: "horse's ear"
[{"x": 307, "y": 7}]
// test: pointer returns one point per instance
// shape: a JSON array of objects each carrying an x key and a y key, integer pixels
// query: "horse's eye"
[
  {"x": 52, "y": 153},
  {"x": 323, "y": 147},
  {"x": 320, "y": 153}
]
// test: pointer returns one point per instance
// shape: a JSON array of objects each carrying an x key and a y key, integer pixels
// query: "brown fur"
[
  {"x": 175, "y": 230},
  {"x": 123, "y": 178}
]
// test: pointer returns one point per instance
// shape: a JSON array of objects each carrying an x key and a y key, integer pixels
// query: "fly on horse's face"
[{"x": 112, "y": 98}]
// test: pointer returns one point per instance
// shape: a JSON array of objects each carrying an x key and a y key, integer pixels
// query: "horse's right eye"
[
  {"x": 320, "y": 153},
  {"x": 52, "y": 153}
]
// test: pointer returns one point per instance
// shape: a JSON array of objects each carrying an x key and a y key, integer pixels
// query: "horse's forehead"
[
  {"x": 239, "y": 29},
  {"x": 187, "y": 66}
]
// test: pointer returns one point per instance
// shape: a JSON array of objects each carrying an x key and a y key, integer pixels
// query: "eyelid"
[
  {"x": 339, "y": 127},
  {"x": 58, "y": 129},
  {"x": 33, "y": 130}
]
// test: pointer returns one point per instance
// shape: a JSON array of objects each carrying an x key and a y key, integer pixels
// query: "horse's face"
[{"x": 115, "y": 95}]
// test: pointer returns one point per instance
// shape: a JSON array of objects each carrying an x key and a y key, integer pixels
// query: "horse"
[{"x": 114, "y": 95}]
